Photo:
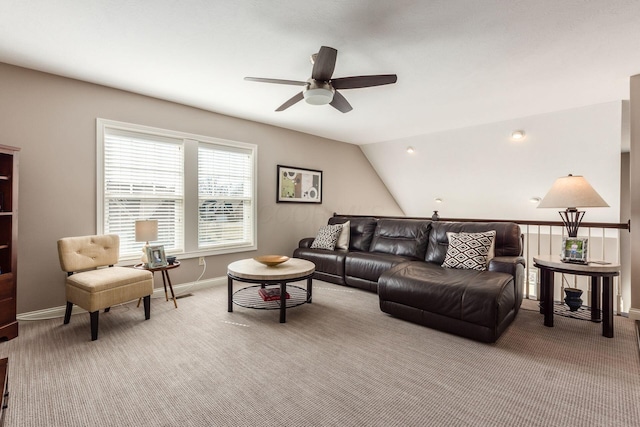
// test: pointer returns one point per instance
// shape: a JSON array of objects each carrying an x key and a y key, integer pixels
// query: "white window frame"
[{"x": 191, "y": 142}]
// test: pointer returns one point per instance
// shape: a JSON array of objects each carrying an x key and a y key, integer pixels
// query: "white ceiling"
[{"x": 459, "y": 62}]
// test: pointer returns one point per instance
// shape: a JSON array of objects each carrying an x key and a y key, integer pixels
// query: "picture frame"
[
  {"x": 299, "y": 185},
  {"x": 156, "y": 256},
  {"x": 574, "y": 250}
]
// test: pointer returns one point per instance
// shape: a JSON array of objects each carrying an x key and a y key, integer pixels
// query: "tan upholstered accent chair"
[{"x": 93, "y": 283}]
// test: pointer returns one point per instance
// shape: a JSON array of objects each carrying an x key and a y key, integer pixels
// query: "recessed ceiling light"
[
  {"x": 438, "y": 200},
  {"x": 535, "y": 199},
  {"x": 517, "y": 135},
  {"x": 410, "y": 150}
]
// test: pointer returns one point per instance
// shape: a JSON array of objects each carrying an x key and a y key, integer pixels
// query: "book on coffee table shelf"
[{"x": 271, "y": 294}]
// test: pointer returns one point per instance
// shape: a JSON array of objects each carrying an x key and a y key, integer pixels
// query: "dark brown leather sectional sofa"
[{"x": 401, "y": 260}]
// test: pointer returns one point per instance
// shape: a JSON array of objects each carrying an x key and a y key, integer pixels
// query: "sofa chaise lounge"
[{"x": 402, "y": 260}]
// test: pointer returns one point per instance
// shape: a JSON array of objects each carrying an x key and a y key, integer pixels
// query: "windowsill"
[{"x": 131, "y": 260}]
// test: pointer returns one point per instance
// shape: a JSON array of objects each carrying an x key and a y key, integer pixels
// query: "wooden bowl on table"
[{"x": 271, "y": 260}]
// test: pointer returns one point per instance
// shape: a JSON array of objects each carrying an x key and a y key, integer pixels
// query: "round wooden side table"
[{"x": 164, "y": 271}]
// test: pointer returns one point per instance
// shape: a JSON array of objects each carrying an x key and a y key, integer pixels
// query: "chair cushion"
[
  {"x": 107, "y": 278},
  {"x": 97, "y": 289}
]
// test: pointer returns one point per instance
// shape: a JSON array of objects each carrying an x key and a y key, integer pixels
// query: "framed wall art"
[{"x": 299, "y": 185}]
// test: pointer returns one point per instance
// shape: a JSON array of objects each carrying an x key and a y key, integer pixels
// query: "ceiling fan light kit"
[
  {"x": 320, "y": 89},
  {"x": 318, "y": 93}
]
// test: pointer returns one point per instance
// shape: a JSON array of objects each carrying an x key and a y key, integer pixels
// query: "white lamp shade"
[
  {"x": 572, "y": 192},
  {"x": 146, "y": 230}
]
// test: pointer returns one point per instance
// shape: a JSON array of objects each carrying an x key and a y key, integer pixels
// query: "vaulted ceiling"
[{"x": 459, "y": 62}]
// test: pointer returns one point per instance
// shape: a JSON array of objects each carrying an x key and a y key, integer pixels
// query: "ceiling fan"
[{"x": 321, "y": 89}]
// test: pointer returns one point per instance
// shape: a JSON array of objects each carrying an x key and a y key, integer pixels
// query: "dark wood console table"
[{"x": 601, "y": 277}]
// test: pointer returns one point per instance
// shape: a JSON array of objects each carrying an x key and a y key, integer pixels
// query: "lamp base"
[
  {"x": 144, "y": 258},
  {"x": 572, "y": 218}
]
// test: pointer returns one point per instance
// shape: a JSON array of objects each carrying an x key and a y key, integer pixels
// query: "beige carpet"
[{"x": 337, "y": 362}]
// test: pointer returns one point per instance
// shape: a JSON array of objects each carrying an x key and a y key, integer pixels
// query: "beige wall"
[{"x": 53, "y": 120}]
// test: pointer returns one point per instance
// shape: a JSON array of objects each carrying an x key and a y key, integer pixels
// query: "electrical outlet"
[{"x": 201, "y": 260}]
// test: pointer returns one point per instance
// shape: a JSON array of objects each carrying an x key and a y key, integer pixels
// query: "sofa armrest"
[
  {"x": 513, "y": 265},
  {"x": 506, "y": 264},
  {"x": 306, "y": 242}
]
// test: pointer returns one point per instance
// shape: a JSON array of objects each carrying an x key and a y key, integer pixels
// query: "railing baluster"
[{"x": 527, "y": 276}]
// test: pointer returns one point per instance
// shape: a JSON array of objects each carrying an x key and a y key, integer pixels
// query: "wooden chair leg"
[
  {"x": 147, "y": 307},
  {"x": 94, "y": 324},
  {"x": 67, "y": 312}
]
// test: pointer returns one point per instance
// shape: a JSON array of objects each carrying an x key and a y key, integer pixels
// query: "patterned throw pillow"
[
  {"x": 469, "y": 251},
  {"x": 327, "y": 237}
]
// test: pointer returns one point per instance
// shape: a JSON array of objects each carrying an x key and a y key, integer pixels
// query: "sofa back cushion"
[
  {"x": 402, "y": 237},
  {"x": 508, "y": 240},
  {"x": 362, "y": 229}
]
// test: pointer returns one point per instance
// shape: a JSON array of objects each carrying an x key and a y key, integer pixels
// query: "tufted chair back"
[{"x": 88, "y": 252}]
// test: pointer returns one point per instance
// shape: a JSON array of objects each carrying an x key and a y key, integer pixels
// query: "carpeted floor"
[{"x": 337, "y": 362}]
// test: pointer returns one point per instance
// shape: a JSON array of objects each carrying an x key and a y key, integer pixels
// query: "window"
[
  {"x": 200, "y": 189},
  {"x": 224, "y": 196}
]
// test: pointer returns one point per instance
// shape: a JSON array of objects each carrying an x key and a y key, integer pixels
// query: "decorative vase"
[
  {"x": 572, "y": 298},
  {"x": 435, "y": 216}
]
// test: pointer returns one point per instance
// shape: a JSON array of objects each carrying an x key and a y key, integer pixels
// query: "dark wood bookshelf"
[{"x": 8, "y": 241}]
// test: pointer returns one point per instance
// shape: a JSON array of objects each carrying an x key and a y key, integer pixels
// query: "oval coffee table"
[{"x": 251, "y": 271}]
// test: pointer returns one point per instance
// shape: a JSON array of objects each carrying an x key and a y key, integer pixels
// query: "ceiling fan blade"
[
  {"x": 278, "y": 81},
  {"x": 295, "y": 98},
  {"x": 363, "y": 81},
  {"x": 340, "y": 103},
  {"x": 324, "y": 64}
]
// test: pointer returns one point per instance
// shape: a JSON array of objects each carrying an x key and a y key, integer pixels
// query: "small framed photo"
[
  {"x": 299, "y": 185},
  {"x": 574, "y": 249},
  {"x": 156, "y": 257}
]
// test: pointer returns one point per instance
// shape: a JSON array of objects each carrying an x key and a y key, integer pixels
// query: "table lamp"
[
  {"x": 146, "y": 231},
  {"x": 572, "y": 192}
]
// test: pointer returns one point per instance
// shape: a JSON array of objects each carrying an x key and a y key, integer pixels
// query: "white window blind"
[
  {"x": 202, "y": 190},
  {"x": 143, "y": 179},
  {"x": 225, "y": 196}
]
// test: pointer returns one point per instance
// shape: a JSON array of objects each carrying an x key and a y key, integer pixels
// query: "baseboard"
[
  {"x": 184, "y": 288},
  {"x": 634, "y": 313}
]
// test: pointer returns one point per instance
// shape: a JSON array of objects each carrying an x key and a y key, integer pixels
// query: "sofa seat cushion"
[
  {"x": 482, "y": 298},
  {"x": 370, "y": 265}
]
